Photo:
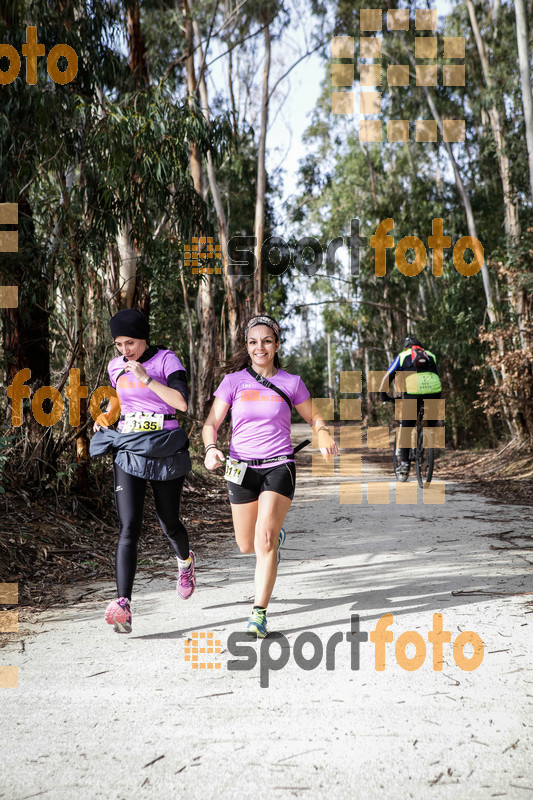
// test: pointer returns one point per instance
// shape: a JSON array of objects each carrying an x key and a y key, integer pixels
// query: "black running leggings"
[{"x": 130, "y": 492}]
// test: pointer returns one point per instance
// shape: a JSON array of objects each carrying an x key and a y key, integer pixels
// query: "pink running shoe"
[
  {"x": 118, "y": 614},
  {"x": 187, "y": 580}
]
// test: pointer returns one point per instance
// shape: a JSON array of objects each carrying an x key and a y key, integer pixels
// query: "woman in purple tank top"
[
  {"x": 260, "y": 468},
  {"x": 148, "y": 446}
]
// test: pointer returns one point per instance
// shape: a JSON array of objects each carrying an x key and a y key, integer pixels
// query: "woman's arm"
[
  {"x": 110, "y": 416},
  {"x": 328, "y": 446},
  {"x": 214, "y": 457},
  {"x": 170, "y": 396},
  {"x": 388, "y": 377}
]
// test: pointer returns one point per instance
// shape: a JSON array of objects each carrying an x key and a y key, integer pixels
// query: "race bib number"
[
  {"x": 140, "y": 421},
  {"x": 235, "y": 470}
]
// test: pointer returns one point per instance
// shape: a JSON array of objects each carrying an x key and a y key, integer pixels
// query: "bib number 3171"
[{"x": 235, "y": 470}]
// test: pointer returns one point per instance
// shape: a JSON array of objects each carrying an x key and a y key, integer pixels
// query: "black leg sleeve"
[
  {"x": 406, "y": 423},
  {"x": 167, "y": 496},
  {"x": 129, "y": 498}
]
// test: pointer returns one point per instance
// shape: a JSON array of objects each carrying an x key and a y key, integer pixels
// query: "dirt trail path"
[{"x": 103, "y": 717}]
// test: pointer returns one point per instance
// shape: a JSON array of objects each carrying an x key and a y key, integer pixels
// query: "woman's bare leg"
[
  {"x": 244, "y": 518},
  {"x": 271, "y": 512}
]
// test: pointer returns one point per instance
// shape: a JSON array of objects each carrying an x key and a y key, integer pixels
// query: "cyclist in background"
[{"x": 423, "y": 383}]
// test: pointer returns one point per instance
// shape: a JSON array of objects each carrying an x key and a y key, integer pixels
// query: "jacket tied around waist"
[{"x": 158, "y": 455}]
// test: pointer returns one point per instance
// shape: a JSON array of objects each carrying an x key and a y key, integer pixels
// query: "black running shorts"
[{"x": 280, "y": 479}]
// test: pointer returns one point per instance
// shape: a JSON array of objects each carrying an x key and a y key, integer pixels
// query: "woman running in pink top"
[{"x": 260, "y": 469}]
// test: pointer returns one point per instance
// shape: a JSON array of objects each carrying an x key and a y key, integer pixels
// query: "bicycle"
[{"x": 423, "y": 457}]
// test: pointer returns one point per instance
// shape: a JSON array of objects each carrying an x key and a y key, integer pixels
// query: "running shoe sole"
[
  {"x": 118, "y": 617},
  {"x": 256, "y": 631},
  {"x": 257, "y": 627},
  {"x": 193, "y": 579}
]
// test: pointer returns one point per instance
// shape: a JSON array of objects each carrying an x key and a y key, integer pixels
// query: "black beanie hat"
[{"x": 130, "y": 322}]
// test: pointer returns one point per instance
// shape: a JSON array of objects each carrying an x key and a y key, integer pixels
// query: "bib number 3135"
[
  {"x": 235, "y": 470},
  {"x": 138, "y": 421}
]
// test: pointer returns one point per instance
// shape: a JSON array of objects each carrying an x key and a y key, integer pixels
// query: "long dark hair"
[{"x": 241, "y": 359}]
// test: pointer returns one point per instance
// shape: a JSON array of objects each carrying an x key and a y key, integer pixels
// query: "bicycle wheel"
[{"x": 425, "y": 458}]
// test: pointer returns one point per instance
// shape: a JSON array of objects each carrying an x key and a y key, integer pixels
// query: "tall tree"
[
  {"x": 228, "y": 277},
  {"x": 261, "y": 171},
  {"x": 522, "y": 38},
  {"x": 206, "y": 288},
  {"x": 512, "y": 224}
]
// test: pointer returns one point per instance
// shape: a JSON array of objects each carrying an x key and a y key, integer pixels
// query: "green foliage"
[
  {"x": 310, "y": 362},
  {"x": 139, "y": 154}
]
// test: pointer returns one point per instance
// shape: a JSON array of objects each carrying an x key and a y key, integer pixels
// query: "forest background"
[{"x": 163, "y": 136}]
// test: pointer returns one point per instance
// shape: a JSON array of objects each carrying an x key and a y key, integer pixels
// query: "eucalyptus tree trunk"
[
  {"x": 137, "y": 48},
  {"x": 463, "y": 194},
  {"x": 192, "y": 350},
  {"x": 331, "y": 390},
  {"x": 231, "y": 93},
  {"x": 512, "y": 225},
  {"x": 472, "y": 230},
  {"x": 127, "y": 266},
  {"x": 369, "y": 396},
  {"x": 138, "y": 63},
  {"x": 229, "y": 280},
  {"x": 509, "y": 414},
  {"x": 522, "y": 39},
  {"x": 82, "y": 442},
  {"x": 261, "y": 175},
  {"x": 26, "y": 337},
  {"x": 205, "y": 303}
]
